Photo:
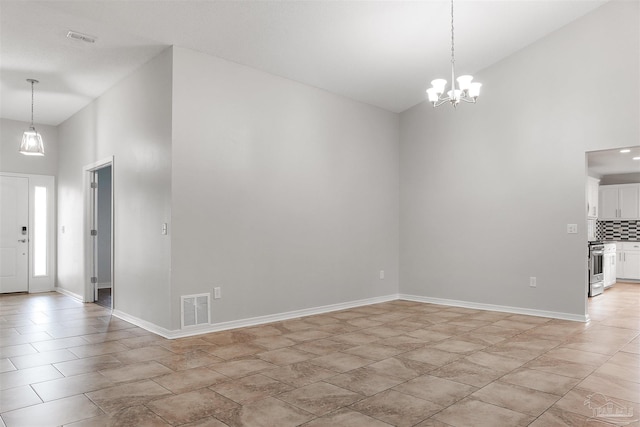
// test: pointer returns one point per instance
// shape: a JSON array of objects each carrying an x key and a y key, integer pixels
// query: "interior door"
[{"x": 14, "y": 234}]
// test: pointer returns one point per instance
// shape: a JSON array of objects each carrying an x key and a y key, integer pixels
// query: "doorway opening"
[
  {"x": 613, "y": 216},
  {"x": 100, "y": 287}
]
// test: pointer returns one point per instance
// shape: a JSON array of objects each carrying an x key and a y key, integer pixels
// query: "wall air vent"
[
  {"x": 81, "y": 37},
  {"x": 194, "y": 310}
]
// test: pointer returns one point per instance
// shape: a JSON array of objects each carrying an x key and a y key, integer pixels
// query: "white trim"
[
  {"x": 500, "y": 308},
  {"x": 104, "y": 285},
  {"x": 68, "y": 293},
  {"x": 151, "y": 327},
  {"x": 86, "y": 227},
  {"x": 253, "y": 321}
]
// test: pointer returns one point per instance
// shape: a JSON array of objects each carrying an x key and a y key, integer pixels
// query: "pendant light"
[
  {"x": 31, "y": 140},
  {"x": 467, "y": 90}
]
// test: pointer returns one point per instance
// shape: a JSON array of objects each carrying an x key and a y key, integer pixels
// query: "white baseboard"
[
  {"x": 501, "y": 308},
  {"x": 260, "y": 320},
  {"x": 69, "y": 293},
  {"x": 104, "y": 285},
  {"x": 253, "y": 321},
  {"x": 151, "y": 327},
  {"x": 40, "y": 290}
]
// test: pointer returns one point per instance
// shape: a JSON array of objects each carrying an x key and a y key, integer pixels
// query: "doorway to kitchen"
[
  {"x": 100, "y": 287},
  {"x": 613, "y": 219}
]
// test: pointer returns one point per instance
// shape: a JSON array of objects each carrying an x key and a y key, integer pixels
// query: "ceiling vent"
[{"x": 81, "y": 37}]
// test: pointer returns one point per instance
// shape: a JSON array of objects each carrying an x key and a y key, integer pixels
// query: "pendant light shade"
[{"x": 32, "y": 144}]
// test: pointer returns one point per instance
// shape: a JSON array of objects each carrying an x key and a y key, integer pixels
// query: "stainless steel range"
[{"x": 596, "y": 271}]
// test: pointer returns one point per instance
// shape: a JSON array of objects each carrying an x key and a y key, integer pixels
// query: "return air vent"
[{"x": 195, "y": 310}]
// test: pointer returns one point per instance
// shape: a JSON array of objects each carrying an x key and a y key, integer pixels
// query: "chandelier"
[
  {"x": 467, "y": 90},
  {"x": 31, "y": 140}
]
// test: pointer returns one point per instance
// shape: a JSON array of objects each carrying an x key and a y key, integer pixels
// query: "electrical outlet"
[
  {"x": 217, "y": 293},
  {"x": 381, "y": 274},
  {"x": 532, "y": 282},
  {"x": 164, "y": 229}
]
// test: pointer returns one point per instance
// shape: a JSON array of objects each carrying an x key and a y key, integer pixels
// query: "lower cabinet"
[{"x": 628, "y": 257}]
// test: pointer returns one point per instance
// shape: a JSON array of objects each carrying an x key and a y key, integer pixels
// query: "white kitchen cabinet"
[
  {"x": 592, "y": 197},
  {"x": 619, "y": 201},
  {"x": 609, "y": 264},
  {"x": 628, "y": 254}
]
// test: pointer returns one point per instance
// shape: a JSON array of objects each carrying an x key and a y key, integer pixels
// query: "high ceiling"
[{"x": 383, "y": 53}]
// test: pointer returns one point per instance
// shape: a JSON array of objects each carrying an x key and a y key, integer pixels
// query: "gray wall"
[
  {"x": 104, "y": 225},
  {"x": 284, "y": 195},
  {"x": 12, "y": 161},
  {"x": 131, "y": 121},
  {"x": 487, "y": 190}
]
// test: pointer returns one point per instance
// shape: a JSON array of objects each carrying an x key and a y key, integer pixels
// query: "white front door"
[{"x": 14, "y": 234}]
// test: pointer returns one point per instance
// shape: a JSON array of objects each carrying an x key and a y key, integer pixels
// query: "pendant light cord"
[{"x": 32, "y": 83}]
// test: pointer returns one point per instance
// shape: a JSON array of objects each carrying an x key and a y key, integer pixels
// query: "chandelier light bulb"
[
  {"x": 464, "y": 82},
  {"x": 439, "y": 85},
  {"x": 474, "y": 89},
  {"x": 433, "y": 94}
]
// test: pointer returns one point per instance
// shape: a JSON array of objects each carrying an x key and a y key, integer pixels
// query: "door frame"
[
  {"x": 47, "y": 282},
  {"x": 89, "y": 249}
]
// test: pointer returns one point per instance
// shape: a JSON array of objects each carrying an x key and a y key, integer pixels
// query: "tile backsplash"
[{"x": 618, "y": 230}]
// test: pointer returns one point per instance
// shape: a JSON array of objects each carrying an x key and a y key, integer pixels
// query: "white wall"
[
  {"x": 12, "y": 161},
  {"x": 284, "y": 195},
  {"x": 487, "y": 190},
  {"x": 131, "y": 121}
]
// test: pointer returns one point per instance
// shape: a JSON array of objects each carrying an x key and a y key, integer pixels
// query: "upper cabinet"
[
  {"x": 592, "y": 197},
  {"x": 619, "y": 201}
]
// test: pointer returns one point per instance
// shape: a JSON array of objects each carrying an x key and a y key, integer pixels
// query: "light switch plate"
[{"x": 572, "y": 228}]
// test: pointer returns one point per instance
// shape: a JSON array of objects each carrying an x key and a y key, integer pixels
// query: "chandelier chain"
[{"x": 452, "y": 39}]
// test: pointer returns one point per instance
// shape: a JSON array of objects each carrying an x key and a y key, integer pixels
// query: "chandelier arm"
[{"x": 469, "y": 100}]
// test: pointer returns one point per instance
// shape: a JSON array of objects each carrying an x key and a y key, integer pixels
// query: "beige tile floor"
[{"x": 398, "y": 363}]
